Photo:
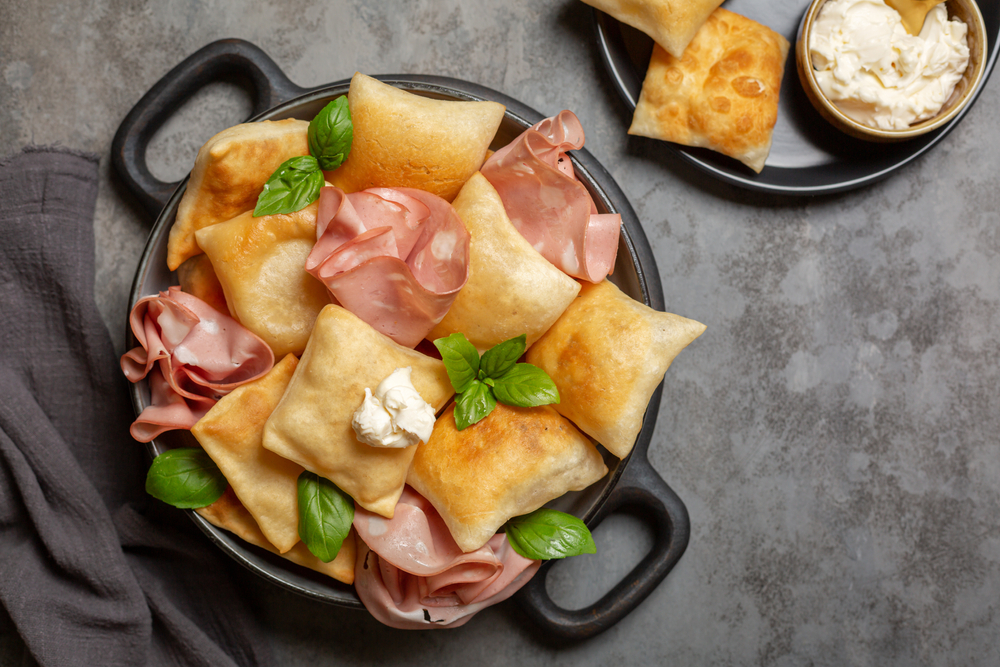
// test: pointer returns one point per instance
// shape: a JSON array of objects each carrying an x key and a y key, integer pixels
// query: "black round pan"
[{"x": 632, "y": 484}]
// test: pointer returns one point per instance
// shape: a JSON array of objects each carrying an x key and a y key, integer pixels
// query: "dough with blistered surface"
[
  {"x": 508, "y": 464},
  {"x": 228, "y": 176},
  {"x": 406, "y": 140},
  {"x": 607, "y": 354},
  {"x": 671, "y": 23},
  {"x": 722, "y": 94},
  {"x": 260, "y": 263}
]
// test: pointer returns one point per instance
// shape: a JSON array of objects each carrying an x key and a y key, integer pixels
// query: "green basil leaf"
[
  {"x": 331, "y": 134},
  {"x": 185, "y": 478},
  {"x": 325, "y": 515},
  {"x": 473, "y": 404},
  {"x": 525, "y": 386},
  {"x": 547, "y": 534},
  {"x": 293, "y": 186},
  {"x": 461, "y": 360},
  {"x": 501, "y": 358}
]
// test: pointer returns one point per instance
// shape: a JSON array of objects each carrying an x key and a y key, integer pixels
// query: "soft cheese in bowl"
[{"x": 872, "y": 79}]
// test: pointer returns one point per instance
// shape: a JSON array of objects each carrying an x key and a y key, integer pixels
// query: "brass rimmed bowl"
[{"x": 965, "y": 92}]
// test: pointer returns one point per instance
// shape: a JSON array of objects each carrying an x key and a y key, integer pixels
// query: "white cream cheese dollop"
[
  {"x": 878, "y": 74},
  {"x": 395, "y": 415}
]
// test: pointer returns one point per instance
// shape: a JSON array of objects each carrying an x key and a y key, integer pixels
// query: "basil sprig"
[
  {"x": 185, "y": 478},
  {"x": 331, "y": 134},
  {"x": 548, "y": 534},
  {"x": 325, "y": 515},
  {"x": 297, "y": 182},
  {"x": 496, "y": 376},
  {"x": 293, "y": 186}
]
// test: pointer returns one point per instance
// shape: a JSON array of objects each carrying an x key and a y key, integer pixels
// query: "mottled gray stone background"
[{"x": 834, "y": 433}]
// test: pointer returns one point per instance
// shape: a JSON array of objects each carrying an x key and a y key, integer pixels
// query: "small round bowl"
[{"x": 965, "y": 91}]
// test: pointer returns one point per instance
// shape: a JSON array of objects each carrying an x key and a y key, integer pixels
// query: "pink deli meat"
[
  {"x": 192, "y": 354},
  {"x": 548, "y": 205},
  {"x": 410, "y": 574},
  {"x": 395, "y": 257}
]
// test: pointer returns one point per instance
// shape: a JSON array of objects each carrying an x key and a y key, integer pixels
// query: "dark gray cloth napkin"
[{"x": 92, "y": 571}]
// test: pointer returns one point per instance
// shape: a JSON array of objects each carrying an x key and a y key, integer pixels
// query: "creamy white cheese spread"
[
  {"x": 878, "y": 74},
  {"x": 395, "y": 415}
]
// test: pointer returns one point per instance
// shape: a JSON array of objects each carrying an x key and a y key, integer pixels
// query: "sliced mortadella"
[
  {"x": 548, "y": 205},
  {"x": 410, "y": 574},
  {"x": 168, "y": 410},
  {"x": 193, "y": 354},
  {"x": 395, "y": 257}
]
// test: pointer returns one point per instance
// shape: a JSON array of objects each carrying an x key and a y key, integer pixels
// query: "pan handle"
[
  {"x": 226, "y": 59},
  {"x": 640, "y": 490}
]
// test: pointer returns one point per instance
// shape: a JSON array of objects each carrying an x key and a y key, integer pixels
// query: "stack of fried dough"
[
  {"x": 605, "y": 351},
  {"x": 713, "y": 80}
]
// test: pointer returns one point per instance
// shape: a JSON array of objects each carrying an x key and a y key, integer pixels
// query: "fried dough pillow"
[
  {"x": 312, "y": 424},
  {"x": 410, "y": 141},
  {"x": 264, "y": 482},
  {"x": 509, "y": 463},
  {"x": 197, "y": 278},
  {"x": 722, "y": 94},
  {"x": 607, "y": 354},
  {"x": 261, "y": 504},
  {"x": 228, "y": 513},
  {"x": 260, "y": 263},
  {"x": 228, "y": 176},
  {"x": 512, "y": 290},
  {"x": 671, "y": 23}
]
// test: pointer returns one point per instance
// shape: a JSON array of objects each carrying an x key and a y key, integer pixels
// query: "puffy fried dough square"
[
  {"x": 512, "y": 289},
  {"x": 228, "y": 176},
  {"x": 228, "y": 513},
  {"x": 260, "y": 263},
  {"x": 510, "y": 463},
  {"x": 197, "y": 277},
  {"x": 671, "y": 23},
  {"x": 312, "y": 424},
  {"x": 231, "y": 434},
  {"x": 607, "y": 354},
  {"x": 721, "y": 94},
  {"x": 407, "y": 140}
]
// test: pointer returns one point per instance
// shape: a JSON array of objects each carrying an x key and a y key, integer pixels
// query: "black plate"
[{"x": 808, "y": 156}]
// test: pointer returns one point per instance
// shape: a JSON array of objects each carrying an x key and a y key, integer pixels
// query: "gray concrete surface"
[{"x": 834, "y": 433}]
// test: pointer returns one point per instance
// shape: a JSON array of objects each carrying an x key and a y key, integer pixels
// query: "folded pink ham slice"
[
  {"x": 410, "y": 574},
  {"x": 395, "y": 257},
  {"x": 192, "y": 354},
  {"x": 553, "y": 211}
]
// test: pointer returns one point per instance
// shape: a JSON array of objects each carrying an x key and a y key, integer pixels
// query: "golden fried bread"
[
  {"x": 265, "y": 483},
  {"x": 312, "y": 424},
  {"x": 722, "y": 94},
  {"x": 407, "y": 140},
  {"x": 260, "y": 263},
  {"x": 671, "y": 23},
  {"x": 509, "y": 463},
  {"x": 607, "y": 354},
  {"x": 228, "y": 176},
  {"x": 229, "y": 514},
  {"x": 197, "y": 277},
  {"x": 512, "y": 290}
]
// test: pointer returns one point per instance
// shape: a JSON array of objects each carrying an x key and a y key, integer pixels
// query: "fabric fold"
[{"x": 76, "y": 589}]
